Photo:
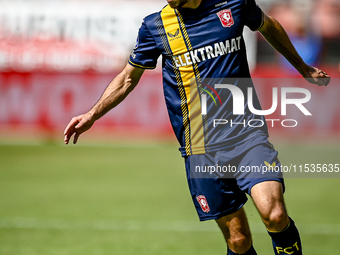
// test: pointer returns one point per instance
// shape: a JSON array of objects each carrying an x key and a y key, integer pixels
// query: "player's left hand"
[{"x": 316, "y": 76}]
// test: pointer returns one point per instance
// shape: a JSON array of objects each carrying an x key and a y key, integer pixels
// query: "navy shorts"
[{"x": 219, "y": 181}]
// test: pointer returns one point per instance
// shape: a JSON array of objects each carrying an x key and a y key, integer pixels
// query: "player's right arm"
[
  {"x": 114, "y": 93},
  {"x": 144, "y": 56}
]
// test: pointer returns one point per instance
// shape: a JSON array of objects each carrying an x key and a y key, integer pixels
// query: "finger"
[
  {"x": 323, "y": 82},
  {"x": 70, "y": 126},
  {"x": 82, "y": 126},
  {"x": 79, "y": 125},
  {"x": 320, "y": 82},
  {"x": 75, "y": 139},
  {"x": 325, "y": 78},
  {"x": 70, "y": 129},
  {"x": 322, "y": 78},
  {"x": 68, "y": 137},
  {"x": 323, "y": 74},
  {"x": 68, "y": 134},
  {"x": 328, "y": 80}
]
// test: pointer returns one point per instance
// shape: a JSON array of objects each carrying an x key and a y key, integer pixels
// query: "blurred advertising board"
[{"x": 49, "y": 100}]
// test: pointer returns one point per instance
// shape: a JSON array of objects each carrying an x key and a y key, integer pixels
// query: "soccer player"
[{"x": 201, "y": 39}]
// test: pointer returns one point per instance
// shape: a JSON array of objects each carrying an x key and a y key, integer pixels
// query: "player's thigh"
[
  {"x": 269, "y": 201},
  {"x": 235, "y": 227},
  {"x": 264, "y": 182},
  {"x": 259, "y": 164}
]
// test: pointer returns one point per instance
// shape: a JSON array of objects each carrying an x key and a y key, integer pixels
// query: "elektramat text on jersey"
[{"x": 208, "y": 52}]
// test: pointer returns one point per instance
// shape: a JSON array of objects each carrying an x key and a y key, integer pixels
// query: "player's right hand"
[{"x": 77, "y": 126}]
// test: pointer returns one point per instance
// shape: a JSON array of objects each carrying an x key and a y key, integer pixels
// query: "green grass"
[{"x": 127, "y": 199}]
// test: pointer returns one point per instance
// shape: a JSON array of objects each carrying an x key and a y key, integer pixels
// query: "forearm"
[
  {"x": 114, "y": 93},
  {"x": 274, "y": 33}
]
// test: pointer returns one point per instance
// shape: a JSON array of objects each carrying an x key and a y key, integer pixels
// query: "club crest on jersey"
[
  {"x": 226, "y": 18},
  {"x": 203, "y": 203}
]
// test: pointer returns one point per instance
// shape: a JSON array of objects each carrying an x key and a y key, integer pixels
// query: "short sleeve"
[
  {"x": 253, "y": 15},
  {"x": 145, "y": 53}
]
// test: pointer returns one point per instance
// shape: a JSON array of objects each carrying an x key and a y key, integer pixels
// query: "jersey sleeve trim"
[
  {"x": 261, "y": 25},
  {"x": 141, "y": 66}
]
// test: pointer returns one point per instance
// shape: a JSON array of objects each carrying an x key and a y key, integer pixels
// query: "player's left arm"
[{"x": 274, "y": 33}]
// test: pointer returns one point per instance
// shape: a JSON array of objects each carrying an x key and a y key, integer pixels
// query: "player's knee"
[
  {"x": 240, "y": 244},
  {"x": 276, "y": 220}
]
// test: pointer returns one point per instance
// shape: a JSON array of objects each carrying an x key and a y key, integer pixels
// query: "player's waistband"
[{"x": 250, "y": 139}]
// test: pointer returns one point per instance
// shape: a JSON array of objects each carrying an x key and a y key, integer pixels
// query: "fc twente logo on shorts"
[
  {"x": 226, "y": 18},
  {"x": 203, "y": 203}
]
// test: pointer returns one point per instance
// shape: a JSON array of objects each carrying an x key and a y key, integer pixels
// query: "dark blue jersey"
[{"x": 200, "y": 48}]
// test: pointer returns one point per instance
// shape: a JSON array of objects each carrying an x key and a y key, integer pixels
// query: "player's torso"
[
  {"x": 197, "y": 45},
  {"x": 210, "y": 36}
]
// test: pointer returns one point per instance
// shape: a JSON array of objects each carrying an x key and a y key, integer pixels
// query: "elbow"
[{"x": 130, "y": 77}]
